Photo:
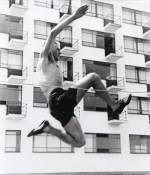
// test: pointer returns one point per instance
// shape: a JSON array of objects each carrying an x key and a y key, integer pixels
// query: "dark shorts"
[{"x": 62, "y": 103}]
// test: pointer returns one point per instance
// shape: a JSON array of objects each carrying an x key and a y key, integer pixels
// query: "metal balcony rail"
[
  {"x": 111, "y": 18},
  {"x": 23, "y": 3},
  {"x": 65, "y": 9},
  {"x": 69, "y": 42},
  {"x": 18, "y": 34},
  {"x": 46, "y": 4},
  {"x": 116, "y": 81},
  {"x": 14, "y": 107}
]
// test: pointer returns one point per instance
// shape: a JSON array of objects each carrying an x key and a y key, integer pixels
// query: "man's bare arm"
[{"x": 59, "y": 27}]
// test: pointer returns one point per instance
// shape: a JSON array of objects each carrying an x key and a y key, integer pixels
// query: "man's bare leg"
[
  {"x": 94, "y": 80},
  {"x": 73, "y": 134}
]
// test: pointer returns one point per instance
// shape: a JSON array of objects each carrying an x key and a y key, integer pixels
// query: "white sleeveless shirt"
[{"x": 48, "y": 77}]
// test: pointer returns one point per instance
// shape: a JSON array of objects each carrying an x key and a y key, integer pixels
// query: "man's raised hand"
[{"x": 81, "y": 11}]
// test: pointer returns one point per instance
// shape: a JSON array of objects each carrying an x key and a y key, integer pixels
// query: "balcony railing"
[
  {"x": 16, "y": 110},
  {"x": 115, "y": 84},
  {"x": 69, "y": 46},
  {"x": 18, "y": 7},
  {"x": 112, "y": 23},
  {"x": 17, "y": 39},
  {"x": 64, "y": 11},
  {"x": 113, "y": 57},
  {"x": 17, "y": 76},
  {"x": 46, "y": 4}
]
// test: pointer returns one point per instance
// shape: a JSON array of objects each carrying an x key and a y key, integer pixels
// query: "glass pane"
[
  {"x": 131, "y": 74},
  {"x": 144, "y": 106},
  {"x": 134, "y": 106}
]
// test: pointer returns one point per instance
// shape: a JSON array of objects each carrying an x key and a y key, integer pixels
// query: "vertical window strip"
[
  {"x": 39, "y": 100},
  {"x": 36, "y": 58},
  {"x": 12, "y": 141},
  {"x": 130, "y": 45}
]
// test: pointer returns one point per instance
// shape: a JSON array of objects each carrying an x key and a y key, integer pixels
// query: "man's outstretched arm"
[{"x": 59, "y": 27}]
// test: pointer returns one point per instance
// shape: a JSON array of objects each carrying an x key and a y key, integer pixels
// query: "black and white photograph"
[{"x": 74, "y": 87}]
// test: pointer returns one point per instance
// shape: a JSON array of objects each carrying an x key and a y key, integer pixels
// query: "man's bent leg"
[
  {"x": 73, "y": 136},
  {"x": 94, "y": 80}
]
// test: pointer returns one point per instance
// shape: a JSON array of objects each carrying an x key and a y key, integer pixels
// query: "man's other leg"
[
  {"x": 73, "y": 135},
  {"x": 94, "y": 80}
]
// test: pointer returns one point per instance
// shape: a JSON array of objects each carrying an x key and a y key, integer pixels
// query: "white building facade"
[{"x": 113, "y": 40}]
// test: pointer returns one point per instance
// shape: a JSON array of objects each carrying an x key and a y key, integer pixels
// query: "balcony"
[
  {"x": 147, "y": 60},
  {"x": 18, "y": 7},
  {"x": 112, "y": 23},
  {"x": 69, "y": 46},
  {"x": 17, "y": 76},
  {"x": 146, "y": 31},
  {"x": 113, "y": 57},
  {"x": 115, "y": 84},
  {"x": 116, "y": 120},
  {"x": 16, "y": 110},
  {"x": 17, "y": 39}
]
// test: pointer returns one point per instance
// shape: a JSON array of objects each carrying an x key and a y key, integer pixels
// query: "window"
[
  {"x": 41, "y": 29},
  {"x": 101, "y": 68},
  {"x": 65, "y": 37},
  {"x": 36, "y": 58},
  {"x": 12, "y": 141},
  {"x": 66, "y": 67},
  {"x": 139, "y": 105},
  {"x": 136, "y": 74},
  {"x": 93, "y": 102},
  {"x": 47, "y": 3},
  {"x": 128, "y": 16},
  {"x": 136, "y": 45},
  {"x": 47, "y": 143},
  {"x": 10, "y": 94},
  {"x": 98, "y": 9},
  {"x": 134, "y": 106},
  {"x": 130, "y": 45},
  {"x": 102, "y": 143},
  {"x": 13, "y": 99},
  {"x": 92, "y": 38},
  {"x": 139, "y": 144},
  {"x": 39, "y": 100},
  {"x": 13, "y": 60}
]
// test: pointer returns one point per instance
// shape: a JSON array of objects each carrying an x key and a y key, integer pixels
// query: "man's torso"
[{"x": 49, "y": 76}]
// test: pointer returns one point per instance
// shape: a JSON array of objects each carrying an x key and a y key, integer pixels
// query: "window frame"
[{"x": 18, "y": 141}]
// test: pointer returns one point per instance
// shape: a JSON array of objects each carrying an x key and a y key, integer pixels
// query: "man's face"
[{"x": 56, "y": 51}]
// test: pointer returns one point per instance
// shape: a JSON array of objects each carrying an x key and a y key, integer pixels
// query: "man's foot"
[
  {"x": 39, "y": 129},
  {"x": 122, "y": 104}
]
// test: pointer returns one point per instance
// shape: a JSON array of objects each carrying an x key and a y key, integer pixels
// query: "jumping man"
[{"x": 62, "y": 102}]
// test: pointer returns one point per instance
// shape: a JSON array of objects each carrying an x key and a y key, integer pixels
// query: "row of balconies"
[
  {"x": 111, "y": 22},
  {"x": 16, "y": 110}
]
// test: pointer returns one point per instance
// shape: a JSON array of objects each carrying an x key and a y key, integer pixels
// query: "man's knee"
[
  {"x": 80, "y": 143},
  {"x": 94, "y": 76}
]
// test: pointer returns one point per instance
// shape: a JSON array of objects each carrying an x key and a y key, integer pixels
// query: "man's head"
[{"x": 55, "y": 50}]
